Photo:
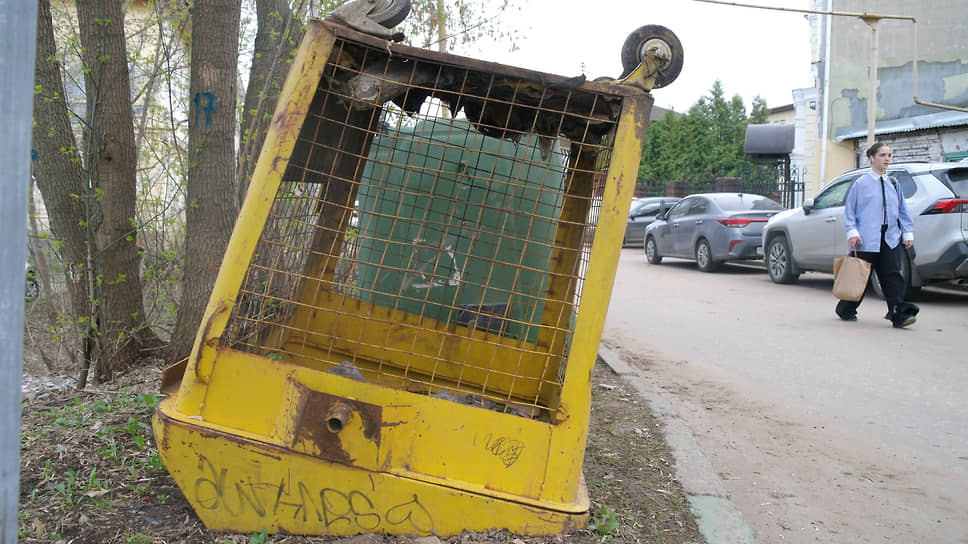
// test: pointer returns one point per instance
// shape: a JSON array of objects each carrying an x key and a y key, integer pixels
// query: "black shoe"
[
  {"x": 848, "y": 317},
  {"x": 903, "y": 320},
  {"x": 903, "y": 315},
  {"x": 908, "y": 308}
]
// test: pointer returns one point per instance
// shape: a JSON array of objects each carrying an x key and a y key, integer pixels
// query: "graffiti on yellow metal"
[
  {"x": 335, "y": 509},
  {"x": 507, "y": 449}
]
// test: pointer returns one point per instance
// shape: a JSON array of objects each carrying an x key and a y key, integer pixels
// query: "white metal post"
[{"x": 18, "y": 26}]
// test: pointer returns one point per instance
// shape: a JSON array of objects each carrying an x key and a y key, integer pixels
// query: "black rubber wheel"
[
  {"x": 779, "y": 261},
  {"x": 911, "y": 292},
  {"x": 704, "y": 257},
  {"x": 646, "y": 36},
  {"x": 390, "y": 13},
  {"x": 651, "y": 251}
]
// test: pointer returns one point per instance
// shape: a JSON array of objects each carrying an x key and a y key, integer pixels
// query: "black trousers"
[{"x": 887, "y": 264}]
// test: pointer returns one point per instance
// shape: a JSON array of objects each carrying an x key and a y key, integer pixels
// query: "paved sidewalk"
[{"x": 718, "y": 519}]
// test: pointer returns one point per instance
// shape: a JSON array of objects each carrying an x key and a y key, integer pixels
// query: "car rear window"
[
  {"x": 739, "y": 202},
  {"x": 956, "y": 179},
  {"x": 649, "y": 208},
  {"x": 906, "y": 180}
]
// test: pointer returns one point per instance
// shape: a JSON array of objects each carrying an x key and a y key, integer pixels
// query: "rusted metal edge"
[
  {"x": 544, "y": 78},
  {"x": 172, "y": 376}
]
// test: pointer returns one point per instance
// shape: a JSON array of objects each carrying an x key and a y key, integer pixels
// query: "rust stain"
[
  {"x": 312, "y": 426},
  {"x": 561, "y": 415},
  {"x": 619, "y": 182},
  {"x": 172, "y": 376},
  {"x": 279, "y": 121},
  {"x": 569, "y": 521},
  {"x": 162, "y": 441},
  {"x": 220, "y": 308}
]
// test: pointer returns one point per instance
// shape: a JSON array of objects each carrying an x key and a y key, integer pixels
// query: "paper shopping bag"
[{"x": 850, "y": 277}]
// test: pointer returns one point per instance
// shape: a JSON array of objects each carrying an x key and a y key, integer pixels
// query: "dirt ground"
[{"x": 90, "y": 471}]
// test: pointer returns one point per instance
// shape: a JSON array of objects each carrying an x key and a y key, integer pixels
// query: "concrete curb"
[{"x": 719, "y": 520}]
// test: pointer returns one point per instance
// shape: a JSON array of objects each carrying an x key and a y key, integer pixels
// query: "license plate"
[{"x": 759, "y": 250}]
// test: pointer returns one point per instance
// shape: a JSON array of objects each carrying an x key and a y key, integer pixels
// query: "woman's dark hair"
[{"x": 872, "y": 150}]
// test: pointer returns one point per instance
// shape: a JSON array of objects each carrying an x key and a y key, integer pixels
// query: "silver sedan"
[{"x": 711, "y": 228}]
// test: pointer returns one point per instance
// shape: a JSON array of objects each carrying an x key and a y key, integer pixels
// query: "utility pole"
[{"x": 18, "y": 26}]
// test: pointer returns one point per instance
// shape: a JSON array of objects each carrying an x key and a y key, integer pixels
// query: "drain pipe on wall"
[
  {"x": 826, "y": 90},
  {"x": 872, "y": 78}
]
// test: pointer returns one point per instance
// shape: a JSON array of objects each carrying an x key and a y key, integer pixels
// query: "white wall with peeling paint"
[{"x": 942, "y": 40}]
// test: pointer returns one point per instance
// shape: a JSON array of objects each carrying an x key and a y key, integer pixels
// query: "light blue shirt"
[{"x": 864, "y": 213}]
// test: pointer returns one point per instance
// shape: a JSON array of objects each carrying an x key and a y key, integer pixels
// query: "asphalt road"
[{"x": 823, "y": 430}]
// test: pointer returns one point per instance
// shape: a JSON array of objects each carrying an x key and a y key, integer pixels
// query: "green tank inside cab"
[{"x": 459, "y": 227}]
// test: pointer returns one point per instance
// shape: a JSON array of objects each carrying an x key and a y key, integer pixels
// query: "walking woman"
[{"x": 878, "y": 225}]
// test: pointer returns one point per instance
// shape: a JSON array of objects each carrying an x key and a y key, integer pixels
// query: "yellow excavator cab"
[{"x": 401, "y": 336}]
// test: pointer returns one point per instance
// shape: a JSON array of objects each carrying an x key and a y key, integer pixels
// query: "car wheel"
[
  {"x": 32, "y": 290},
  {"x": 704, "y": 256},
  {"x": 910, "y": 291},
  {"x": 651, "y": 251},
  {"x": 779, "y": 261}
]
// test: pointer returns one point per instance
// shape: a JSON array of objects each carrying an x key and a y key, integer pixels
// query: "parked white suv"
[{"x": 812, "y": 236}]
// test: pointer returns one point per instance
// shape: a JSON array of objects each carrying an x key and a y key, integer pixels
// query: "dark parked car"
[
  {"x": 642, "y": 214},
  {"x": 711, "y": 228},
  {"x": 812, "y": 236}
]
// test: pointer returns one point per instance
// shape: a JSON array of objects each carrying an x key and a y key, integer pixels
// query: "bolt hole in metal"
[{"x": 338, "y": 417}]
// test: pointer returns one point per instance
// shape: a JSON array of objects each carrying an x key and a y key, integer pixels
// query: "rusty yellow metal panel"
[
  {"x": 402, "y": 333},
  {"x": 245, "y": 486},
  {"x": 561, "y": 475},
  {"x": 393, "y": 431}
]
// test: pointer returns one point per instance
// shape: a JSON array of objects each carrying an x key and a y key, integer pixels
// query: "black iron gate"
[{"x": 779, "y": 181}]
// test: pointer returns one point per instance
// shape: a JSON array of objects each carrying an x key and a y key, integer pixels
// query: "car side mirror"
[
  {"x": 660, "y": 216},
  {"x": 807, "y": 206}
]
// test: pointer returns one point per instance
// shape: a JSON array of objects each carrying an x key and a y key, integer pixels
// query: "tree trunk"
[
  {"x": 112, "y": 170},
  {"x": 61, "y": 176},
  {"x": 211, "y": 208},
  {"x": 277, "y": 35}
]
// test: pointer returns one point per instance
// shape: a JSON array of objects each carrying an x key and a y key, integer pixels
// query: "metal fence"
[
  {"x": 776, "y": 181},
  {"x": 464, "y": 269}
]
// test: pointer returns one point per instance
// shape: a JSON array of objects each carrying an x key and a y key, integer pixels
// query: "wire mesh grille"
[{"x": 431, "y": 230}]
